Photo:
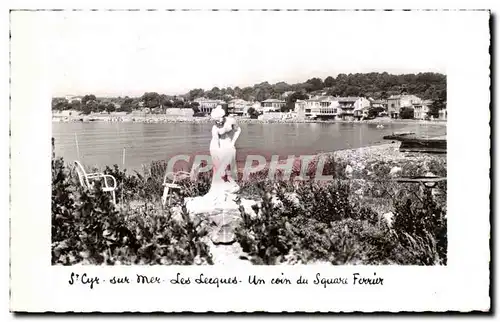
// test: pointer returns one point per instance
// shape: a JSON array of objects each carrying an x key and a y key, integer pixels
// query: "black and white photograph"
[
  {"x": 235, "y": 141},
  {"x": 256, "y": 150}
]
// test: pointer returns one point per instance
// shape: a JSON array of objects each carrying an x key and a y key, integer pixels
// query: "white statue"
[
  {"x": 225, "y": 132},
  {"x": 222, "y": 193}
]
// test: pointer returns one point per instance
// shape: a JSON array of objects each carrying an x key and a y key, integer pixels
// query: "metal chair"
[
  {"x": 87, "y": 180},
  {"x": 173, "y": 177},
  {"x": 170, "y": 186}
]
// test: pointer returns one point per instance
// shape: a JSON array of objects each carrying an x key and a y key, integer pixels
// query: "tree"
[
  {"x": 151, "y": 99},
  {"x": 195, "y": 93},
  {"x": 406, "y": 113},
  {"x": 178, "y": 104},
  {"x": 93, "y": 105},
  {"x": 374, "y": 111},
  {"x": 86, "y": 109},
  {"x": 101, "y": 107},
  {"x": 253, "y": 113},
  {"x": 128, "y": 105},
  {"x": 195, "y": 106},
  {"x": 329, "y": 81},
  {"x": 214, "y": 93},
  {"x": 291, "y": 99},
  {"x": 316, "y": 84},
  {"x": 435, "y": 107},
  {"x": 75, "y": 105},
  {"x": 110, "y": 108},
  {"x": 169, "y": 103},
  {"x": 88, "y": 98},
  {"x": 60, "y": 104}
]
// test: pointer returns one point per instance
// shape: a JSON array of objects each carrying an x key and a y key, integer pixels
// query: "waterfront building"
[
  {"x": 207, "y": 105},
  {"x": 239, "y": 106},
  {"x": 443, "y": 114},
  {"x": 396, "y": 102},
  {"x": 352, "y": 107},
  {"x": 272, "y": 105},
  {"x": 321, "y": 107},
  {"x": 421, "y": 110}
]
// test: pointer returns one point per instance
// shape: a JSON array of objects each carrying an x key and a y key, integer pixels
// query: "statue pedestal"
[{"x": 221, "y": 211}]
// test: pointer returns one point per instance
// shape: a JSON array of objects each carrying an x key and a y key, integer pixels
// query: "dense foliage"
[
  {"x": 298, "y": 221},
  {"x": 87, "y": 228},
  {"x": 321, "y": 222}
]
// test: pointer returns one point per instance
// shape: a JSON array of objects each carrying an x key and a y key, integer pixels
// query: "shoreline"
[{"x": 205, "y": 120}]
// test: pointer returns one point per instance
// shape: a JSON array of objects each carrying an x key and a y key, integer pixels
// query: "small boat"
[
  {"x": 413, "y": 143},
  {"x": 380, "y": 126}
]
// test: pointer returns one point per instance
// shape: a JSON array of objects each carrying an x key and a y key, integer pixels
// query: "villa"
[
  {"x": 421, "y": 110},
  {"x": 239, "y": 106},
  {"x": 396, "y": 102},
  {"x": 323, "y": 107},
  {"x": 207, "y": 105},
  {"x": 272, "y": 105},
  {"x": 352, "y": 107}
]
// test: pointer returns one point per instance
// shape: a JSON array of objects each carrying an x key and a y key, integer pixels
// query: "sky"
[{"x": 118, "y": 53}]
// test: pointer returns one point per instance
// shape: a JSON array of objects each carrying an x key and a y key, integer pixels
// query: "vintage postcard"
[{"x": 250, "y": 161}]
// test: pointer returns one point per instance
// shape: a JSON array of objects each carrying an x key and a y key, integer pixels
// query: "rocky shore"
[{"x": 243, "y": 120}]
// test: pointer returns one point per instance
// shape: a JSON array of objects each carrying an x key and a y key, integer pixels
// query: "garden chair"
[
  {"x": 170, "y": 185},
  {"x": 87, "y": 180}
]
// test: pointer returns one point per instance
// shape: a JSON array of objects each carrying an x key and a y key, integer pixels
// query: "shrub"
[
  {"x": 326, "y": 225},
  {"x": 86, "y": 228}
]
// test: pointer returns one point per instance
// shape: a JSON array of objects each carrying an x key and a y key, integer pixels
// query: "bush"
[
  {"x": 324, "y": 224},
  {"x": 87, "y": 228}
]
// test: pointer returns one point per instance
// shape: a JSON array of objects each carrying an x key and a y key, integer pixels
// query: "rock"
[
  {"x": 248, "y": 207},
  {"x": 388, "y": 218},
  {"x": 293, "y": 197},
  {"x": 395, "y": 171},
  {"x": 177, "y": 213},
  {"x": 223, "y": 235},
  {"x": 348, "y": 170},
  {"x": 276, "y": 202}
]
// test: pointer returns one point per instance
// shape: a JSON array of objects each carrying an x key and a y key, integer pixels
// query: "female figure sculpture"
[{"x": 225, "y": 132}]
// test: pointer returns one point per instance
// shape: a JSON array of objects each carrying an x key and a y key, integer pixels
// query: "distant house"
[
  {"x": 71, "y": 98},
  {"x": 239, "y": 106},
  {"x": 443, "y": 114},
  {"x": 272, "y": 105},
  {"x": 396, "y": 102},
  {"x": 379, "y": 104},
  {"x": 286, "y": 94},
  {"x": 421, "y": 110},
  {"x": 352, "y": 107},
  {"x": 323, "y": 107},
  {"x": 207, "y": 105}
]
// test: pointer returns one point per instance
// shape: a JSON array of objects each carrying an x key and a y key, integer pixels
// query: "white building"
[
  {"x": 396, "y": 102},
  {"x": 421, "y": 110},
  {"x": 272, "y": 105},
  {"x": 317, "y": 107},
  {"x": 207, "y": 105},
  {"x": 239, "y": 106},
  {"x": 443, "y": 114}
]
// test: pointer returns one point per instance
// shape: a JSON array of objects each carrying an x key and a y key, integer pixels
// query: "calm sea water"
[{"x": 102, "y": 144}]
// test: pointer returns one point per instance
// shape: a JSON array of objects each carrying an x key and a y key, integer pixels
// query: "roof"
[
  {"x": 401, "y": 96},
  {"x": 203, "y": 99},
  {"x": 273, "y": 100},
  {"x": 238, "y": 100},
  {"x": 347, "y": 99}
]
